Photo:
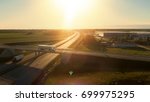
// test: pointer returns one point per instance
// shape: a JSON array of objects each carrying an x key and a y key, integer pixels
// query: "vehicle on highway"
[
  {"x": 47, "y": 48},
  {"x": 9, "y": 54},
  {"x": 18, "y": 58}
]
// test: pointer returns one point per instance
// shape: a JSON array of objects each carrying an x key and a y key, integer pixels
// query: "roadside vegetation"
[
  {"x": 85, "y": 74},
  {"x": 100, "y": 78}
]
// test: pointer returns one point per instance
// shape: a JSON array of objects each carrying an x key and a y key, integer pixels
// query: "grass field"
[
  {"x": 30, "y": 36},
  {"x": 128, "y": 51},
  {"x": 100, "y": 78},
  {"x": 89, "y": 74},
  {"x": 84, "y": 75},
  {"x": 121, "y": 51}
]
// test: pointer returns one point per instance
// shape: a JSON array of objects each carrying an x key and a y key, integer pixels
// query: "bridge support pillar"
[{"x": 36, "y": 53}]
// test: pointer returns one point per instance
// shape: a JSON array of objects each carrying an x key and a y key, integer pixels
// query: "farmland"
[{"x": 31, "y": 36}]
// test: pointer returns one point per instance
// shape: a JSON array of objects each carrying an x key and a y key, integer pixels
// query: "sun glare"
[{"x": 71, "y": 9}]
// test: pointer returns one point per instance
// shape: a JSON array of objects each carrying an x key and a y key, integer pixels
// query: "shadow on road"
[{"x": 20, "y": 74}]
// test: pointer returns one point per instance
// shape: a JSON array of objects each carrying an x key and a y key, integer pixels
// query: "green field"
[
  {"x": 100, "y": 78},
  {"x": 81, "y": 76},
  {"x": 31, "y": 36},
  {"x": 121, "y": 51},
  {"x": 128, "y": 51}
]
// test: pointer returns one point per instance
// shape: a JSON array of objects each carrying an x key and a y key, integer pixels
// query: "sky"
[{"x": 73, "y": 14}]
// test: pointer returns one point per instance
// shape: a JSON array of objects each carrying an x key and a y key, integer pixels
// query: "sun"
[{"x": 71, "y": 9}]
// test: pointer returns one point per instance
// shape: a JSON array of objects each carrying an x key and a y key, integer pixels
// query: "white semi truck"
[{"x": 46, "y": 48}]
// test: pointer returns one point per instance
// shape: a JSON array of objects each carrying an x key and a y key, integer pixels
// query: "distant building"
[
  {"x": 99, "y": 33},
  {"x": 118, "y": 35},
  {"x": 141, "y": 36},
  {"x": 136, "y": 36}
]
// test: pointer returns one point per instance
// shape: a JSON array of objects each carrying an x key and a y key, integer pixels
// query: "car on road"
[{"x": 18, "y": 58}]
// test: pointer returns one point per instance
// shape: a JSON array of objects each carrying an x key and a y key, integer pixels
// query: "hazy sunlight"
[{"x": 71, "y": 9}]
